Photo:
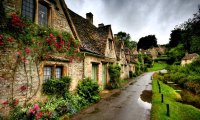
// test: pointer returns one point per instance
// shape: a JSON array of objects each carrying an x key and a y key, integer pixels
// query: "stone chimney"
[
  {"x": 89, "y": 17},
  {"x": 101, "y": 25}
]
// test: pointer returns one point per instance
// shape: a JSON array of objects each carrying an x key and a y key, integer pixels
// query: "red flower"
[
  {"x": 10, "y": 39},
  {"x": 23, "y": 60},
  {"x": 48, "y": 40},
  {"x": 23, "y": 88},
  {"x": 38, "y": 115},
  {"x": 27, "y": 50},
  {"x": 1, "y": 43},
  {"x": 5, "y": 102},
  {"x": 15, "y": 102}
]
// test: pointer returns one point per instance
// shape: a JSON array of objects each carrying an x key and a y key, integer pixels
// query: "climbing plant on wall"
[{"x": 24, "y": 45}]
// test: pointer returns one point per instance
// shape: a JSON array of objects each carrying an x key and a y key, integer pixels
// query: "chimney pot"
[
  {"x": 101, "y": 25},
  {"x": 89, "y": 17}
]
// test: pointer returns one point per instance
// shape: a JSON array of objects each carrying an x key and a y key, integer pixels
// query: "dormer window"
[
  {"x": 42, "y": 15},
  {"x": 28, "y": 9},
  {"x": 110, "y": 44}
]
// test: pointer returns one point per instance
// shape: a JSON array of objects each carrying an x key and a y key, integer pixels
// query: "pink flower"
[
  {"x": 31, "y": 111},
  {"x": 36, "y": 107},
  {"x": 19, "y": 52},
  {"x": 27, "y": 50},
  {"x": 49, "y": 114},
  {"x": 1, "y": 37}
]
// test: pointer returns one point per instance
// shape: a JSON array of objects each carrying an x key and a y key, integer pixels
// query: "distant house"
[
  {"x": 189, "y": 58},
  {"x": 121, "y": 58},
  {"x": 130, "y": 58}
]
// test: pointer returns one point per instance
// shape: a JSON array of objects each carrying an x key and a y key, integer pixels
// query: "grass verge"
[
  {"x": 157, "y": 66},
  {"x": 178, "y": 111}
]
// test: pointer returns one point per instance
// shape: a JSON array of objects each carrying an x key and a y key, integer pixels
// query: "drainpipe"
[{"x": 83, "y": 65}]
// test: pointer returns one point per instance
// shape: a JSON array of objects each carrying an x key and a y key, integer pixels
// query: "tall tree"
[
  {"x": 147, "y": 42},
  {"x": 2, "y": 14},
  {"x": 127, "y": 40},
  {"x": 188, "y": 34},
  {"x": 175, "y": 37}
]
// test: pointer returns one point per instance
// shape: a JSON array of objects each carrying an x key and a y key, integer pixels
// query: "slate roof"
[
  {"x": 92, "y": 39},
  {"x": 190, "y": 56}
]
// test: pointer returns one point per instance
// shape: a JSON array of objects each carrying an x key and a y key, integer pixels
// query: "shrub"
[
  {"x": 57, "y": 86},
  {"x": 191, "y": 99},
  {"x": 114, "y": 73},
  {"x": 89, "y": 90}
]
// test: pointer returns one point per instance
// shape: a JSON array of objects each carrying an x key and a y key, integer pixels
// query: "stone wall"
[
  {"x": 56, "y": 16},
  {"x": 75, "y": 72},
  {"x": 18, "y": 81}
]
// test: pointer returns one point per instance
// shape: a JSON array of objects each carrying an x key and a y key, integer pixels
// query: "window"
[
  {"x": 42, "y": 15},
  {"x": 47, "y": 73},
  {"x": 58, "y": 72},
  {"x": 28, "y": 7},
  {"x": 53, "y": 72},
  {"x": 110, "y": 44}
]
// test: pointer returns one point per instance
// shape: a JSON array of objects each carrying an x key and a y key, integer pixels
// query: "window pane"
[
  {"x": 28, "y": 9},
  {"x": 47, "y": 73},
  {"x": 43, "y": 15},
  {"x": 58, "y": 72}
]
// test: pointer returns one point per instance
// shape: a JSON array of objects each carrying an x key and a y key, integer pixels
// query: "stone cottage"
[
  {"x": 121, "y": 58},
  {"x": 51, "y": 13},
  {"x": 97, "y": 46},
  {"x": 130, "y": 58},
  {"x": 189, "y": 58}
]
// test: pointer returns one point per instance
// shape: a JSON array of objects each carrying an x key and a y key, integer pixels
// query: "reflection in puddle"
[
  {"x": 146, "y": 96},
  {"x": 143, "y": 104},
  {"x": 145, "y": 99}
]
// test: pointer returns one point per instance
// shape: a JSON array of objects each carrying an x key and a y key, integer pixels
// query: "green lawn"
[
  {"x": 157, "y": 66},
  {"x": 178, "y": 111}
]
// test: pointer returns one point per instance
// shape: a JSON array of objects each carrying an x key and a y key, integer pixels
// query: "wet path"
[{"x": 130, "y": 104}]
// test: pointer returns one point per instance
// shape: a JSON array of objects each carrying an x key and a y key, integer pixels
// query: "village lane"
[{"x": 132, "y": 103}]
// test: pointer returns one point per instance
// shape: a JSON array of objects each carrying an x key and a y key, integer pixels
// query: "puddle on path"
[{"x": 145, "y": 99}]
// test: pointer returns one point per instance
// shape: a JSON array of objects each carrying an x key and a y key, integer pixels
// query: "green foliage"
[
  {"x": 175, "y": 37},
  {"x": 147, "y": 42},
  {"x": 189, "y": 98},
  {"x": 57, "y": 86},
  {"x": 178, "y": 111},
  {"x": 127, "y": 40},
  {"x": 148, "y": 61},
  {"x": 18, "y": 113},
  {"x": 187, "y": 34},
  {"x": 88, "y": 89},
  {"x": 177, "y": 53},
  {"x": 114, "y": 73}
]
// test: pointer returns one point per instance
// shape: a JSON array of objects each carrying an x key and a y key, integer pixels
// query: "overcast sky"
[{"x": 138, "y": 17}]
